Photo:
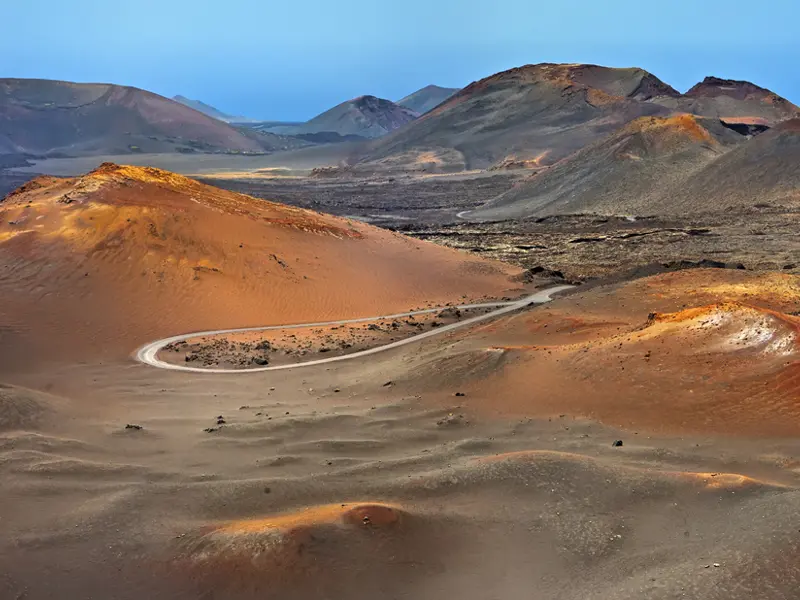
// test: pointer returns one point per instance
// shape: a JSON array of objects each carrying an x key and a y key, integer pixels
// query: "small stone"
[
  {"x": 617, "y": 444},
  {"x": 460, "y": 394},
  {"x": 134, "y": 427}
]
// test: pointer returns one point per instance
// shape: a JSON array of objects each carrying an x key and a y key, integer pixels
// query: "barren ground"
[{"x": 636, "y": 438}]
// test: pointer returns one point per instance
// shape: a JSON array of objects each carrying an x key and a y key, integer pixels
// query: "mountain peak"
[
  {"x": 716, "y": 86},
  {"x": 427, "y": 98},
  {"x": 630, "y": 82}
]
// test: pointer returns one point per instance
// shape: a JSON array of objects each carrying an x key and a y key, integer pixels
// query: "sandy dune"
[
  {"x": 372, "y": 479},
  {"x": 483, "y": 462},
  {"x": 705, "y": 351}
]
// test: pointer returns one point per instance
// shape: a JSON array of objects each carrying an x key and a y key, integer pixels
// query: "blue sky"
[{"x": 290, "y": 60}]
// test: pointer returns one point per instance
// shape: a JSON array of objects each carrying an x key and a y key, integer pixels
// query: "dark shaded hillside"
[
  {"x": 537, "y": 112},
  {"x": 45, "y": 117},
  {"x": 427, "y": 98},
  {"x": 625, "y": 173}
]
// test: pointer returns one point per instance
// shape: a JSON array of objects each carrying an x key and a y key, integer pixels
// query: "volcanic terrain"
[
  {"x": 427, "y": 98},
  {"x": 43, "y": 117},
  {"x": 373, "y": 434},
  {"x": 365, "y": 116},
  {"x": 124, "y": 254},
  {"x": 539, "y": 114}
]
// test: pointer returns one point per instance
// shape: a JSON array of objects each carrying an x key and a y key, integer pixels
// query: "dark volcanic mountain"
[
  {"x": 763, "y": 172},
  {"x": 676, "y": 166},
  {"x": 538, "y": 112},
  {"x": 57, "y": 117},
  {"x": 365, "y": 116},
  {"x": 427, "y": 98},
  {"x": 734, "y": 101},
  {"x": 624, "y": 173}
]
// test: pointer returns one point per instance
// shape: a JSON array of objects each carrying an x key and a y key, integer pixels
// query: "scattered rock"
[
  {"x": 460, "y": 394},
  {"x": 617, "y": 444},
  {"x": 451, "y": 419},
  {"x": 134, "y": 427}
]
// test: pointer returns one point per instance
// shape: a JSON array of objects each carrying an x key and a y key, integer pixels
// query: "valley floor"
[{"x": 635, "y": 438}]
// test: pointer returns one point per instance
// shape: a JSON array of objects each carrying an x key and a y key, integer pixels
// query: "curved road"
[{"x": 148, "y": 353}]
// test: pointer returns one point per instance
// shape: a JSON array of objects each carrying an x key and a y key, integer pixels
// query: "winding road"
[{"x": 148, "y": 354}]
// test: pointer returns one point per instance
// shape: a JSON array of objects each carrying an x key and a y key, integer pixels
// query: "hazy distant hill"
[
  {"x": 427, "y": 98},
  {"x": 58, "y": 117},
  {"x": 204, "y": 108},
  {"x": 365, "y": 116}
]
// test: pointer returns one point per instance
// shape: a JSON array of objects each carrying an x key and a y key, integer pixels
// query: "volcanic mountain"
[
  {"x": 207, "y": 109},
  {"x": 734, "y": 101},
  {"x": 543, "y": 112},
  {"x": 43, "y": 117},
  {"x": 539, "y": 114},
  {"x": 427, "y": 98},
  {"x": 106, "y": 261},
  {"x": 762, "y": 172},
  {"x": 624, "y": 173},
  {"x": 365, "y": 116}
]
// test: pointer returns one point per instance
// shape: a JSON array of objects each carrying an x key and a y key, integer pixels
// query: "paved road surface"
[{"x": 148, "y": 353}]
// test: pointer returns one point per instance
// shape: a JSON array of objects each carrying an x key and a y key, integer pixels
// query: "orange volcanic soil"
[
  {"x": 678, "y": 125},
  {"x": 307, "y": 549},
  {"x": 102, "y": 263},
  {"x": 693, "y": 351}
]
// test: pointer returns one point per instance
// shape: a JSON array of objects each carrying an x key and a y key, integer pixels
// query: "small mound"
[
  {"x": 21, "y": 409},
  {"x": 682, "y": 124},
  {"x": 288, "y": 548},
  {"x": 732, "y": 326},
  {"x": 728, "y": 481},
  {"x": 540, "y": 459},
  {"x": 363, "y": 514}
]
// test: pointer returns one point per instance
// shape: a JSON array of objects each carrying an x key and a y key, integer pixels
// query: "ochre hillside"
[{"x": 123, "y": 255}]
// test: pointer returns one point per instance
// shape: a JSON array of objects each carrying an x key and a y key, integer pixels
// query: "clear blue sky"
[{"x": 291, "y": 59}]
